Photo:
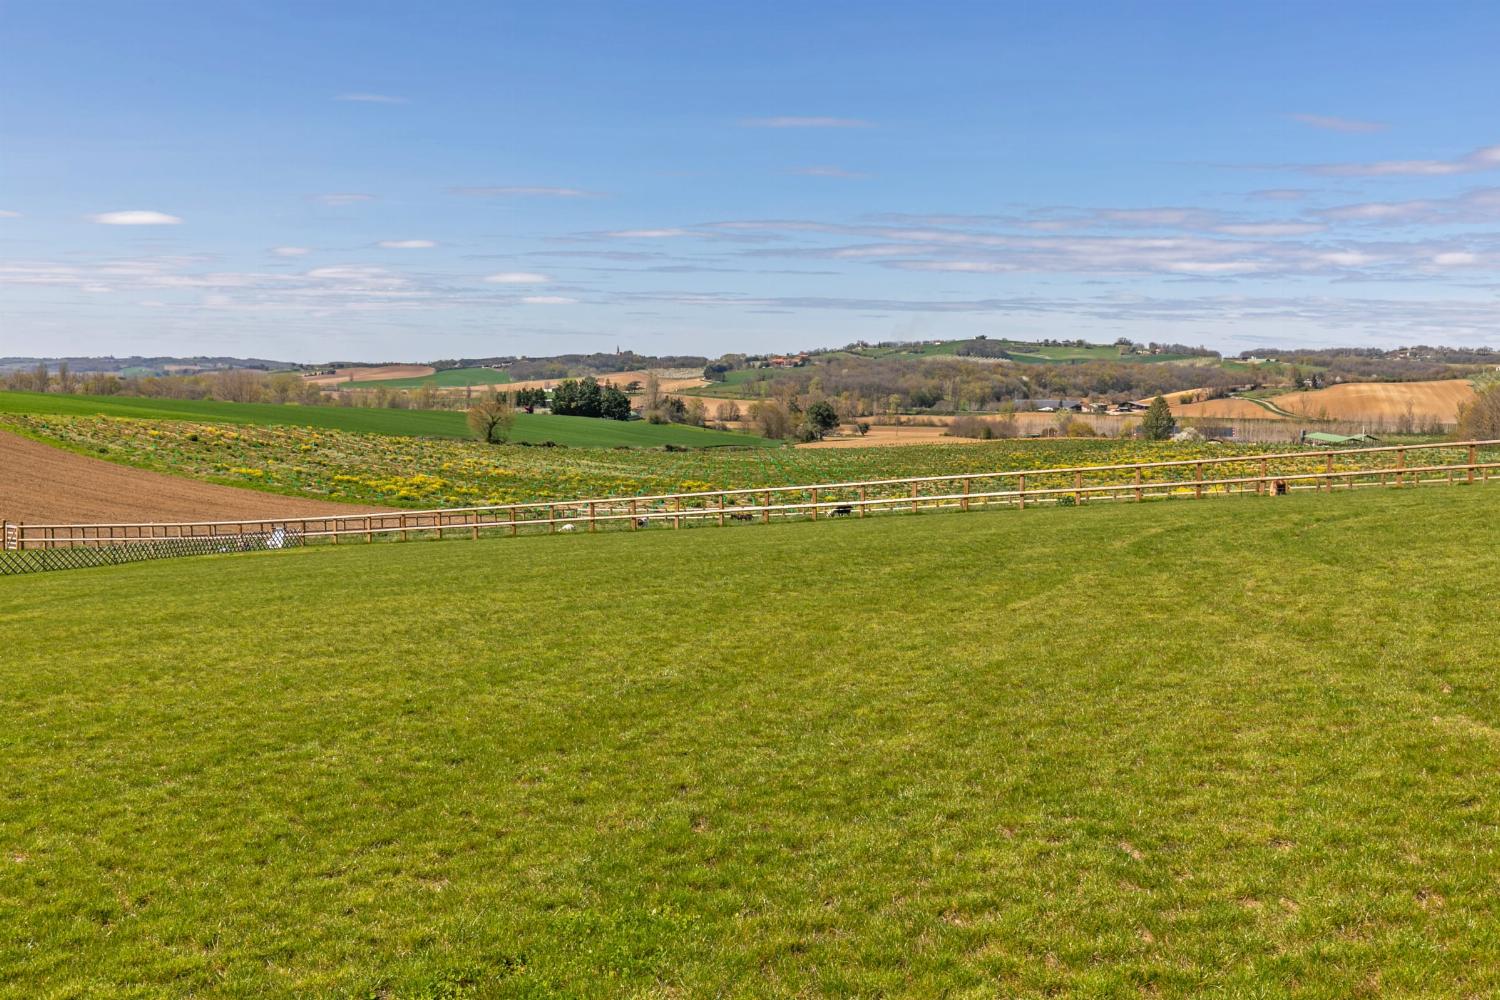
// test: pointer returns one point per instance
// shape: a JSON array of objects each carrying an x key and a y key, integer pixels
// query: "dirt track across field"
[{"x": 40, "y": 484}]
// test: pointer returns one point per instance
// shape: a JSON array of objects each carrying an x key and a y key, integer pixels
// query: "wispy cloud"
[
  {"x": 522, "y": 191},
  {"x": 7, "y": 214},
  {"x": 1485, "y": 158},
  {"x": 372, "y": 99},
  {"x": 1334, "y": 124},
  {"x": 290, "y": 251},
  {"x": 135, "y": 217},
  {"x": 1479, "y": 206},
  {"x": 343, "y": 198},
  {"x": 829, "y": 171},
  {"x": 406, "y": 244},
  {"x": 798, "y": 121},
  {"x": 518, "y": 278},
  {"x": 547, "y": 300}
]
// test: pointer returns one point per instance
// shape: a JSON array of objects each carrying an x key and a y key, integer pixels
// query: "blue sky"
[{"x": 391, "y": 181}]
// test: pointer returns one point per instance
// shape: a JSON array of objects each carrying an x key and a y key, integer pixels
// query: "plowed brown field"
[
  {"x": 1227, "y": 409},
  {"x": 373, "y": 374},
  {"x": 1385, "y": 401},
  {"x": 40, "y": 484}
]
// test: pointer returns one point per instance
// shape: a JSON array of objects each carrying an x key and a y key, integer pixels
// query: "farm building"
[{"x": 1337, "y": 440}]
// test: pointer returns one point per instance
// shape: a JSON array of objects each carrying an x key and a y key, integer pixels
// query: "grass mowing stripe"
[{"x": 1182, "y": 749}]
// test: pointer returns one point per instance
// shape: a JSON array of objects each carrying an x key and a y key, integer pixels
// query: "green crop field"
[
  {"x": 1243, "y": 748},
  {"x": 429, "y": 472},
  {"x": 458, "y": 377},
  {"x": 581, "y": 432}
]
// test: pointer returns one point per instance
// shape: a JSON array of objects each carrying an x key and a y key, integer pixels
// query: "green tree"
[
  {"x": 820, "y": 418},
  {"x": 1158, "y": 423},
  {"x": 614, "y": 404}
]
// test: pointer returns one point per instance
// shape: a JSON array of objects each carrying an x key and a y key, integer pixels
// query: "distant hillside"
[{"x": 138, "y": 365}]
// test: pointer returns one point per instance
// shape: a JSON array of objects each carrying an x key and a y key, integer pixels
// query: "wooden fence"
[{"x": 1271, "y": 474}]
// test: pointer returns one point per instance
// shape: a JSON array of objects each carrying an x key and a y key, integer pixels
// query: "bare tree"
[
  {"x": 1480, "y": 418},
  {"x": 491, "y": 420}
]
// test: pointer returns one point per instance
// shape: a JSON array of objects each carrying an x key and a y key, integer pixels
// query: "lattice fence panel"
[{"x": 82, "y": 557}]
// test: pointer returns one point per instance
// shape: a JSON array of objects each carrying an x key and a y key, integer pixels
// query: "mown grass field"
[
  {"x": 1236, "y": 748},
  {"x": 582, "y": 432}
]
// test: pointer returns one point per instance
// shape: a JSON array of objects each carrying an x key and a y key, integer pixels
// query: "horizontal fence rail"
[{"x": 1269, "y": 474}]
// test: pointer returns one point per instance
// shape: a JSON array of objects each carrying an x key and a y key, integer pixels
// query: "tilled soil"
[{"x": 40, "y": 484}]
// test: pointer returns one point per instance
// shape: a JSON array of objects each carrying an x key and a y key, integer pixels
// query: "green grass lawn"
[
  {"x": 447, "y": 377},
  {"x": 1240, "y": 748},
  {"x": 580, "y": 432}
]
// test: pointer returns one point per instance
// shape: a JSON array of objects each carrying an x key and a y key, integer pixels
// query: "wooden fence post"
[
  {"x": 965, "y": 501},
  {"x": 591, "y": 517},
  {"x": 634, "y": 522},
  {"x": 1260, "y": 484},
  {"x": 1328, "y": 472},
  {"x": 1401, "y": 464},
  {"x": 862, "y": 501},
  {"x": 815, "y": 503},
  {"x": 913, "y": 498},
  {"x": 721, "y": 510},
  {"x": 677, "y": 516},
  {"x": 765, "y": 514},
  {"x": 1198, "y": 483},
  {"x": 513, "y": 520},
  {"x": 368, "y": 537},
  {"x": 474, "y": 531},
  {"x": 1078, "y": 487},
  {"x": 1473, "y": 461},
  {"x": 1139, "y": 495},
  {"x": 1021, "y": 492},
  {"x": 403, "y": 527}
]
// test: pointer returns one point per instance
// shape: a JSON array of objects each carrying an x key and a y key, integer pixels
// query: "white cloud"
[
  {"x": 795, "y": 121},
  {"x": 1480, "y": 205},
  {"x": 547, "y": 300},
  {"x": 135, "y": 218},
  {"x": 407, "y": 244},
  {"x": 290, "y": 251},
  {"x": 1334, "y": 124},
  {"x": 1456, "y": 258},
  {"x": 1485, "y": 158},
  {"x": 344, "y": 198},
  {"x": 522, "y": 191},
  {"x": 5, "y": 214},
  {"x": 372, "y": 98},
  {"x": 518, "y": 278},
  {"x": 1270, "y": 228}
]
